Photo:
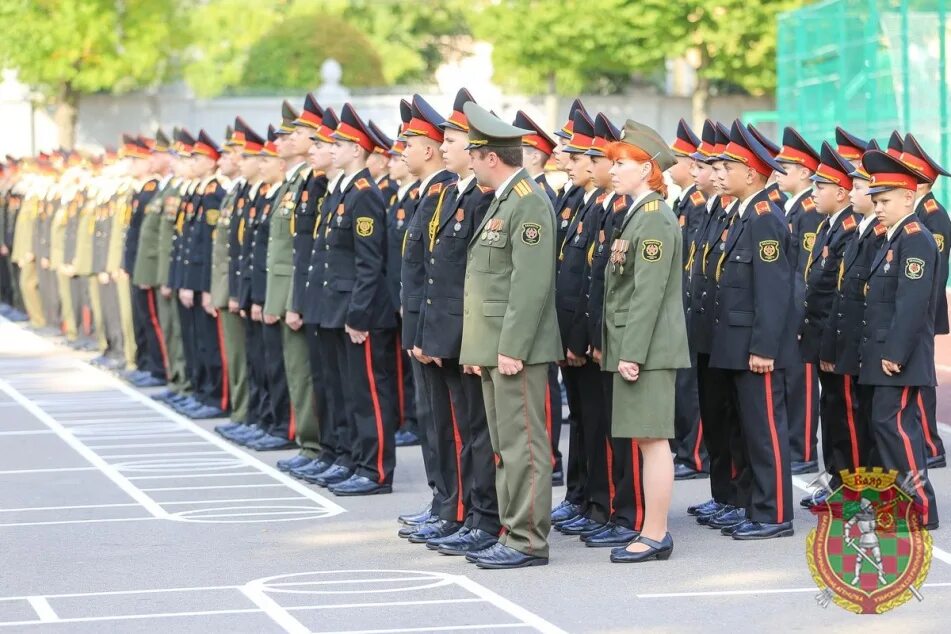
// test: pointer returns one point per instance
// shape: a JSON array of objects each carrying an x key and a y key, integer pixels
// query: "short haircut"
[{"x": 511, "y": 156}]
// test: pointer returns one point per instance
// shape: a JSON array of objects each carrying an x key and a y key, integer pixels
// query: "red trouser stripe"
[
  {"x": 457, "y": 445},
  {"x": 638, "y": 501},
  {"x": 807, "y": 453},
  {"x": 777, "y": 456},
  {"x": 375, "y": 397},
  {"x": 87, "y": 321},
  {"x": 292, "y": 428},
  {"x": 850, "y": 419},
  {"x": 611, "y": 491},
  {"x": 697, "y": 461},
  {"x": 910, "y": 455},
  {"x": 224, "y": 364},
  {"x": 924, "y": 426},
  {"x": 400, "y": 395},
  {"x": 153, "y": 317}
]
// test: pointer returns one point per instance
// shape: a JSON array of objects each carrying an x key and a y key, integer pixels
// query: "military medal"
[
  {"x": 340, "y": 211},
  {"x": 825, "y": 254},
  {"x": 460, "y": 216},
  {"x": 888, "y": 260},
  {"x": 723, "y": 240},
  {"x": 565, "y": 217},
  {"x": 578, "y": 232}
]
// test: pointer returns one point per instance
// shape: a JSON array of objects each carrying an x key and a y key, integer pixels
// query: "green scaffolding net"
[{"x": 871, "y": 66}]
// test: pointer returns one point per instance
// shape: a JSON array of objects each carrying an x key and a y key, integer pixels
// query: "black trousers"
[
  {"x": 259, "y": 399},
  {"x": 624, "y": 460},
  {"x": 722, "y": 436},
  {"x": 203, "y": 345},
  {"x": 405, "y": 388},
  {"x": 273, "y": 340},
  {"x": 927, "y": 410},
  {"x": 766, "y": 486},
  {"x": 554, "y": 421},
  {"x": 324, "y": 404},
  {"x": 335, "y": 438},
  {"x": 79, "y": 287},
  {"x": 845, "y": 431},
  {"x": 371, "y": 390},
  {"x": 6, "y": 281},
  {"x": 150, "y": 344},
  {"x": 426, "y": 430},
  {"x": 576, "y": 475},
  {"x": 687, "y": 443},
  {"x": 592, "y": 419},
  {"x": 802, "y": 410},
  {"x": 109, "y": 304},
  {"x": 900, "y": 442}
]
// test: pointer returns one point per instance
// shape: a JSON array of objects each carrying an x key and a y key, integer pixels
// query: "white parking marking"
[{"x": 43, "y": 609}]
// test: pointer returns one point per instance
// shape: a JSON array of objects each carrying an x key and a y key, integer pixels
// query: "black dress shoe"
[
  {"x": 360, "y": 485},
  {"x": 434, "y": 530},
  {"x": 937, "y": 462},
  {"x": 557, "y": 478},
  {"x": 473, "y": 555},
  {"x": 333, "y": 476},
  {"x": 408, "y": 529},
  {"x": 656, "y": 550},
  {"x": 705, "y": 508},
  {"x": 503, "y": 558},
  {"x": 798, "y": 467},
  {"x": 206, "y": 412},
  {"x": 150, "y": 381},
  {"x": 728, "y": 518},
  {"x": 473, "y": 541},
  {"x": 293, "y": 462},
  {"x": 564, "y": 511},
  {"x": 706, "y": 518},
  {"x": 683, "y": 472},
  {"x": 226, "y": 428},
  {"x": 436, "y": 542},
  {"x": 582, "y": 526},
  {"x": 613, "y": 536},
  {"x": 761, "y": 530},
  {"x": 814, "y": 499},
  {"x": 164, "y": 395},
  {"x": 412, "y": 519},
  {"x": 311, "y": 471},
  {"x": 250, "y": 437},
  {"x": 727, "y": 531},
  {"x": 272, "y": 443}
]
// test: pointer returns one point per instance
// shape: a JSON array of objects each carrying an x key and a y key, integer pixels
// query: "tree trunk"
[
  {"x": 551, "y": 102},
  {"x": 701, "y": 92},
  {"x": 65, "y": 114}
]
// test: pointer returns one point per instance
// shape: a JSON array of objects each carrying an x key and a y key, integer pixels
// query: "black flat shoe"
[
  {"x": 728, "y": 518},
  {"x": 473, "y": 541},
  {"x": 656, "y": 550},
  {"x": 582, "y": 526},
  {"x": 434, "y": 530},
  {"x": 762, "y": 530},
  {"x": 564, "y": 511},
  {"x": 435, "y": 543},
  {"x": 311, "y": 471},
  {"x": 360, "y": 485},
  {"x": 683, "y": 472},
  {"x": 294, "y": 462},
  {"x": 704, "y": 508},
  {"x": 728, "y": 531},
  {"x": 412, "y": 519},
  {"x": 557, "y": 478},
  {"x": 334, "y": 475},
  {"x": 503, "y": 558},
  {"x": 611, "y": 538},
  {"x": 474, "y": 555}
]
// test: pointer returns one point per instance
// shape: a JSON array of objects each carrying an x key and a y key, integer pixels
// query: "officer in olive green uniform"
[
  {"x": 57, "y": 254},
  {"x": 510, "y": 331}
]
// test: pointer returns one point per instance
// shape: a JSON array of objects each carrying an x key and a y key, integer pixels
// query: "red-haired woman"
[{"x": 645, "y": 337}]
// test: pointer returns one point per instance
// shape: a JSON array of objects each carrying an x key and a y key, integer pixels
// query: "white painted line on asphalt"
[
  {"x": 43, "y": 609},
  {"x": 134, "y": 617},
  {"x": 197, "y": 475},
  {"x": 436, "y": 628},
  {"x": 750, "y": 592},
  {"x": 27, "y": 509},
  {"x": 530, "y": 618},
  {"x": 384, "y": 604},
  {"x": 255, "y": 593},
  {"x": 146, "y": 445},
  {"x": 296, "y": 497},
  {"x": 64, "y": 522},
  {"x": 94, "y": 459},
  {"x": 167, "y": 454},
  {"x": 26, "y": 432},
  {"x": 51, "y": 470},
  {"x": 223, "y": 486}
]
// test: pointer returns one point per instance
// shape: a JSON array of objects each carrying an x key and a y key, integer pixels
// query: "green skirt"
[{"x": 644, "y": 408}]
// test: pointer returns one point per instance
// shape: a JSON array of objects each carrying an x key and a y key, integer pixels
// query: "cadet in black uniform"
[
  {"x": 841, "y": 448},
  {"x": 753, "y": 334},
  {"x": 898, "y": 338},
  {"x": 935, "y": 219}
]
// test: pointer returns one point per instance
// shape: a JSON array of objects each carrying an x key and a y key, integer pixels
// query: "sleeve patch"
[
  {"x": 531, "y": 233},
  {"x": 211, "y": 216},
  {"x": 364, "y": 226},
  {"x": 362, "y": 184},
  {"x": 931, "y": 205},
  {"x": 912, "y": 228},
  {"x": 697, "y": 198},
  {"x": 762, "y": 208},
  {"x": 769, "y": 250},
  {"x": 914, "y": 268},
  {"x": 652, "y": 250},
  {"x": 808, "y": 240}
]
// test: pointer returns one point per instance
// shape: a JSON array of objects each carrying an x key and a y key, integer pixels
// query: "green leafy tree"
[{"x": 67, "y": 48}]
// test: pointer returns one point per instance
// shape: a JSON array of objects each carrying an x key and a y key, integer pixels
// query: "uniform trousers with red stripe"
[
  {"x": 370, "y": 388},
  {"x": 687, "y": 443},
  {"x": 766, "y": 487},
  {"x": 593, "y": 421},
  {"x": 900, "y": 443},
  {"x": 845, "y": 431},
  {"x": 336, "y": 440},
  {"x": 259, "y": 399},
  {"x": 464, "y": 449},
  {"x": 406, "y": 389},
  {"x": 802, "y": 410},
  {"x": 323, "y": 395},
  {"x": 280, "y": 400},
  {"x": 722, "y": 436},
  {"x": 624, "y": 459},
  {"x": 207, "y": 362},
  {"x": 426, "y": 431},
  {"x": 148, "y": 332},
  {"x": 927, "y": 410},
  {"x": 553, "y": 423},
  {"x": 576, "y": 475}
]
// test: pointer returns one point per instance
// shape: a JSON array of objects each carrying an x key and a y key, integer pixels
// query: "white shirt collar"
[
  {"x": 346, "y": 179},
  {"x": 864, "y": 224},
  {"x": 164, "y": 181},
  {"x": 401, "y": 191},
  {"x": 424, "y": 184},
  {"x": 607, "y": 200},
  {"x": 918, "y": 201},
  {"x": 588, "y": 194},
  {"x": 463, "y": 183},
  {"x": 746, "y": 203},
  {"x": 293, "y": 171},
  {"x": 505, "y": 183},
  {"x": 710, "y": 202},
  {"x": 793, "y": 199},
  {"x": 637, "y": 201},
  {"x": 891, "y": 230},
  {"x": 834, "y": 216}
]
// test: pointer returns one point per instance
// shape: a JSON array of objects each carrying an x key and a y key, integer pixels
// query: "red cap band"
[
  {"x": 918, "y": 164},
  {"x": 792, "y": 155},
  {"x": 739, "y": 153},
  {"x": 349, "y": 133},
  {"x": 900, "y": 181}
]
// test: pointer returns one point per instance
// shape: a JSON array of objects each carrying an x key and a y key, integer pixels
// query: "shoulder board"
[
  {"x": 697, "y": 198},
  {"x": 912, "y": 228},
  {"x": 150, "y": 186},
  {"x": 601, "y": 198},
  {"x": 775, "y": 196},
  {"x": 522, "y": 188},
  {"x": 211, "y": 187},
  {"x": 434, "y": 189},
  {"x": 653, "y": 205},
  {"x": 762, "y": 208},
  {"x": 414, "y": 193},
  {"x": 726, "y": 201},
  {"x": 619, "y": 203},
  {"x": 362, "y": 184},
  {"x": 485, "y": 190},
  {"x": 808, "y": 203},
  {"x": 384, "y": 183},
  {"x": 880, "y": 230},
  {"x": 931, "y": 205},
  {"x": 849, "y": 223}
]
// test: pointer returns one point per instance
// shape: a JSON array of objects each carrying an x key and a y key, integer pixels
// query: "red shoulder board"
[
  {"x": 619, "y": 203},
  {"x": 149, "y": 186},
  {"x": 697, "y": 198},
  {"x": 808, "y": 204},
  {"x": 775, "y": 196},
  {"x": 849, "y": 223},
  {"x": 601, "y": 198},
  {"x": 880, "y": 230},
  {"x": 362, "y": 183},
  {"x": 931, "y": 205},
  {"x": 912, "y": 228},
  {"x": 211, "y": 187},
  {"x": 762, "y": 208},
  {"x": 434, "y": 189},
  {"x": 485, "y": 190}
]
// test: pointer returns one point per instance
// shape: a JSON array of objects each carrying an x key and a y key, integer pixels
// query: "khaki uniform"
[
  {"x": 23, "y": 255},
  {"x": 58, "y": 225},
  {"x": 169, "y": 318}
]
